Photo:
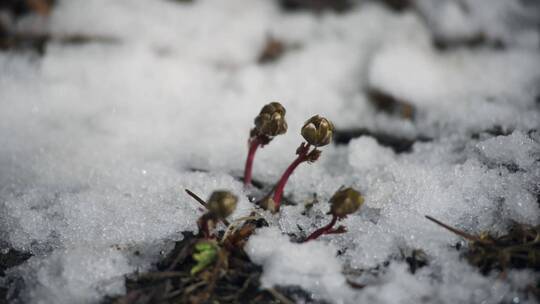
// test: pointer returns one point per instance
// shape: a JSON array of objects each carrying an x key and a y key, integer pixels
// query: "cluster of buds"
[
  {"x": 317, "y": 131},
  {"x": 343, "y": 202},
  {"x": 220, "y": 205},
  {"x": 269, "y": 123}
]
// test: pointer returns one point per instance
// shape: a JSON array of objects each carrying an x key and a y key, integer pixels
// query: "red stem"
[
  {"x": 203, "y": 226},
  {"x": 253, "y": 145},
  {"x": 323, "y": 230},
  {"x": 280, "y": 187}
]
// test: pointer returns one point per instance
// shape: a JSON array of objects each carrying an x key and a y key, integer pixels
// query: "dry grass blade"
[
  {"x": 469, "y": 237},
  {"x": 519, "y": 248},
  {"x": 203, "y": 203},
  {"x": 283, "y": 299}
]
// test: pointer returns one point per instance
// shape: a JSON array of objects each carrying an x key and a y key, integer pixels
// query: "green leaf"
[{"x": 205, "y": 254}]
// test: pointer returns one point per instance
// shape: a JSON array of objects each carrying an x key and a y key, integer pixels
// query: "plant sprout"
[
  {"x": 220, "y": 205},
  {"x": 269, "y": 123},
  {"x": 343, "y": 202},
  {"x": 318, "y": 132}
]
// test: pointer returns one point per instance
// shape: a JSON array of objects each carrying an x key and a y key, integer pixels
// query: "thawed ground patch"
[{"x": 98, "y": 141}]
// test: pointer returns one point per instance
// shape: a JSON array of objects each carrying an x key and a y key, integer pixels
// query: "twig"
[
  {"x": 458, "y": 232},
  {"x": 283, "y": 299},
  {"x": 160, "y": 275},
  {"x": 197, "y": 198},
  {"x": 203, "y": 203}
]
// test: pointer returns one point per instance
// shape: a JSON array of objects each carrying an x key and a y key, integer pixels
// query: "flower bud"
[
  {"x": 345, "y": 202},
  {"x": 273, "y": 107},
  {"x": 222, "y": 203},
  {"x": 271, "y": 120},
  {"x": 318, "y": 131}
]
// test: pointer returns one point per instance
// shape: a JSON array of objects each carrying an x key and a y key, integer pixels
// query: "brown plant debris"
[
  {"x": 272, "y": 50},
  {"x": 390, "y": 104},
  {"x": 477, "y": 41},
  {"x": 231, "y": 277},
  {"x": 23, "y": 7},
  {"x": 519, "y": 248},
  {"x": 38, "y": 42}
]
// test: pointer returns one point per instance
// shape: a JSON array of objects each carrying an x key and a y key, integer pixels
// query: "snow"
[
  {"x": 58, "y": 279},
  {"x": 287, "y": 263},
  {"x": 455, "y": 89},
  {"x": 98, "y": 141},
  {"x": 504, "y": 21},
  {"x": 502, "y": 150}
]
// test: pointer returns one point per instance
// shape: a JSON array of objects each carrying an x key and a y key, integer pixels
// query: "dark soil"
[
  {"x": 233, "y": 278},
  {"x": 396, "y": 143},
  {"x": 8, "y": 260}
]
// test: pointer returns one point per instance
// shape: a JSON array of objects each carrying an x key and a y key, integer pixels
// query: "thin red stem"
[
  {"x": 323, "y": 230},
  {"x": 280, "y": 187},
  {"x": 204, "y": 228},
  {"x": 253, "y": 145}
]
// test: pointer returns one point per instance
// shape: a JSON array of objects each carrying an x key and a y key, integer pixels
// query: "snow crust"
[{"x": 98, "y": 141}]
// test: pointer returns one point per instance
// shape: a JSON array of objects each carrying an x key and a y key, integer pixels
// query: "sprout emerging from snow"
[
  {"x": 343, "y": 202},
  {"x": 220, "y": 205},
  {"x": 269, "y": 123},
  {"x": 317, "y": 131}
]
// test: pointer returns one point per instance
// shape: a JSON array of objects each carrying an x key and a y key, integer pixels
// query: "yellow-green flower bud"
[
  {"x": 222, "y": 203},
  {"x": 318, "y": 131},
  {"x": 271, "y": 120},
  {"x": 345, "y": 202}
]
